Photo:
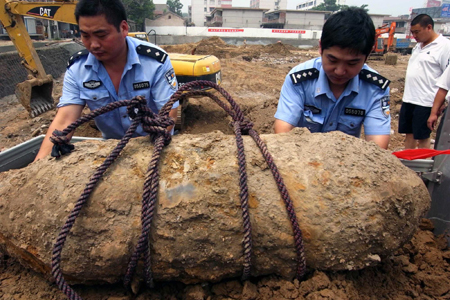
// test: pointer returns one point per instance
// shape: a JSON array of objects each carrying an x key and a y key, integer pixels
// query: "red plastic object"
[{"x": 411, "y": 154}]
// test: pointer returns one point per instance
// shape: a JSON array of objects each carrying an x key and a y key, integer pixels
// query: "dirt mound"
[
  {"x": 217, "y": 47},
  {"x": 277, "y": 48},
  {"x": 215, "y": 40},
  {"x": 182, "y": 48}
]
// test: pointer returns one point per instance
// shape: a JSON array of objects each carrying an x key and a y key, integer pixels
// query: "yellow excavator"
[{"x": 35, "y": 93}]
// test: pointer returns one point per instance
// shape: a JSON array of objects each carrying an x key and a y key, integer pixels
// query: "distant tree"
[
  {"x": 328, "y": 5},
  {"x": 364, "y": 6},
  {"x": 138, "y": 10},
  {"x": 175, "y": 6}
]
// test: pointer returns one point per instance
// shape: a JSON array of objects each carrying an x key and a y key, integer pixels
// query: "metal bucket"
[{"x": 36, "y": 95}]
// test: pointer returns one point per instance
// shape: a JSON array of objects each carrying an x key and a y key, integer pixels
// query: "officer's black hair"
[
  {"x": 349, "y": 29},
  {"x": 113, "y": 10},
  {"x": 424, "y": 20}
]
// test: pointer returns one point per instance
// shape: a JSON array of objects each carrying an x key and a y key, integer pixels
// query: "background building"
[
  {"x": 401, "y": 23},
  {"x": 160, "y": 9},
  {"x": 269, "y": 4},
  {"x": 167, "y": 19},
  {"x": 201, "y": 9},
  {"x": 237, "y": 17},
  {"x": 294, "y": 19}
]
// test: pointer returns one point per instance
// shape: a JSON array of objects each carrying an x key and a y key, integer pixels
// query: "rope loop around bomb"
[{"x": 156, "y": 125}]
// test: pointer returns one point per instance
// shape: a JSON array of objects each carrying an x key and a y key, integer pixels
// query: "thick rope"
[
  {"x": 156, "y": 125},
  {"x": 58, "y": 246},
  {"x": 153, "y": 124},
  {"x": 246, "y": 127}
]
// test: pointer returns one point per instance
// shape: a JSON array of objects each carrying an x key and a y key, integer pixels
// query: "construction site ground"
[{"x": 253, "y": 75}]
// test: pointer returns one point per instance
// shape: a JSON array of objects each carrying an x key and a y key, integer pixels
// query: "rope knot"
[
  {"x": 61, "y": 144},
  {"x": 245, "y": 125},
  {"x": 156, "y": 125},
  {"x": 137, "y": 107}
]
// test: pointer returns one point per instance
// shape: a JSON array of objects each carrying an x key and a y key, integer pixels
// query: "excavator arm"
[
  {"x": 62, "y": 11},
  {"x": 35, "y": 94},
  {"x": 390, "y": 41}
]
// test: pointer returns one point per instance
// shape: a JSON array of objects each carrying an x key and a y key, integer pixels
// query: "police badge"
[
  {"x": 171, "y": 79},
  {"x": 92, "y": 84},
  {"x": 385, "y": 105}
]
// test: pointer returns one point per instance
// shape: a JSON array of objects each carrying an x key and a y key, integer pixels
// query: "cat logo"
[{"x": 43, "y": 11}]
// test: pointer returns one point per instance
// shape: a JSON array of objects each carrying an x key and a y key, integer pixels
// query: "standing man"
[
  {"x": 338, "y": 91},
  {"x": 113, "y": 67},
  {"x": 439, "y": 104},
  {"x": 429, "y": 59}
]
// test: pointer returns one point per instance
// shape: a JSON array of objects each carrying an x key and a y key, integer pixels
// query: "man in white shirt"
[{"x": 428, "y": 61}]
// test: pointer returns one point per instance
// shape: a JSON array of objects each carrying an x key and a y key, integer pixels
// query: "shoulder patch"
[
  {"x": 77, "y": 55},
  {"x": 304, "y": 75},
  {"x": 385, "y": 106},
  {"x": 152, "y": 52},
  {"x": 374, "y": 78}
]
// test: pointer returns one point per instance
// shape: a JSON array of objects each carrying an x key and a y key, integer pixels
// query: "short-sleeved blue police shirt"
[
  {"x": 309, "y": 102},
  {"x": 87, "y": 82}
]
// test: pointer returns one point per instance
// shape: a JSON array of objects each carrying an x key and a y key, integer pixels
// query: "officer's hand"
[{"x": 431, "y": 123}]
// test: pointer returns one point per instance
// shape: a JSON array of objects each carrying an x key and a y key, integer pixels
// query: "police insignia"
[
  {"x": 355, "y": 112},
  {"x": 374, "y": 78},
  {"x": 304, "y": 75},
  {"x": 92, "y": 84},
  {"x": 152, "y": 52},
  {"x": 141, "y": 85},
  {"x": 171, "y": 79},
  {"x": 385, "y": 105},
  {"x": 76, "y": 56}
]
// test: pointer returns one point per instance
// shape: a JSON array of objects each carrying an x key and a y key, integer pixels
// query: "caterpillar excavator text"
[{"x": 35, "y": 93}]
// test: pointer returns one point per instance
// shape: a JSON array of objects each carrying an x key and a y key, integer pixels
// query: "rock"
[
  {"x": 390, "y": 59},
  {"x": 194, "y": 292},
  {"x": 250, "y": 291},
  {"x": 426, "y": 224},
  {"x": 36, "y": 132},
  {"x": 355, "y": 204}
]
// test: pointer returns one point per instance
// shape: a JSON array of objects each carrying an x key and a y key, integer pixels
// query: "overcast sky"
[{"x": 390, "y": 7}]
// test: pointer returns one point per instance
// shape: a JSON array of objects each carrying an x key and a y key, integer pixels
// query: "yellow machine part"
[
  {"x": 196, "y": 67},
  {"x": 191, "y": 67},
  {"x": 35, "y": 95}
]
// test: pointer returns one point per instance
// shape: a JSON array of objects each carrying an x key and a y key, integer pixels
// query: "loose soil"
[{"x": 253, "y": 75}]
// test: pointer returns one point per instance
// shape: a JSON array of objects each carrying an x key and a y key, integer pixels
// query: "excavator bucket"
[{"x": 36, "y": 95}]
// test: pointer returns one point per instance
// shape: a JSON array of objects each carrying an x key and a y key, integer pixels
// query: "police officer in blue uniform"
[
  {"x": 338, "y": 91},
  {"x": 113, "y": 67}
]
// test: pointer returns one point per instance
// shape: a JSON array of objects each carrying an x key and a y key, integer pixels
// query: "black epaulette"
[
  {"x": 77, "y": 55},
  {"x": 152, "y": 52},
  {"x": 304, "y": 75},
  {"x": 374, "y": 78}
]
